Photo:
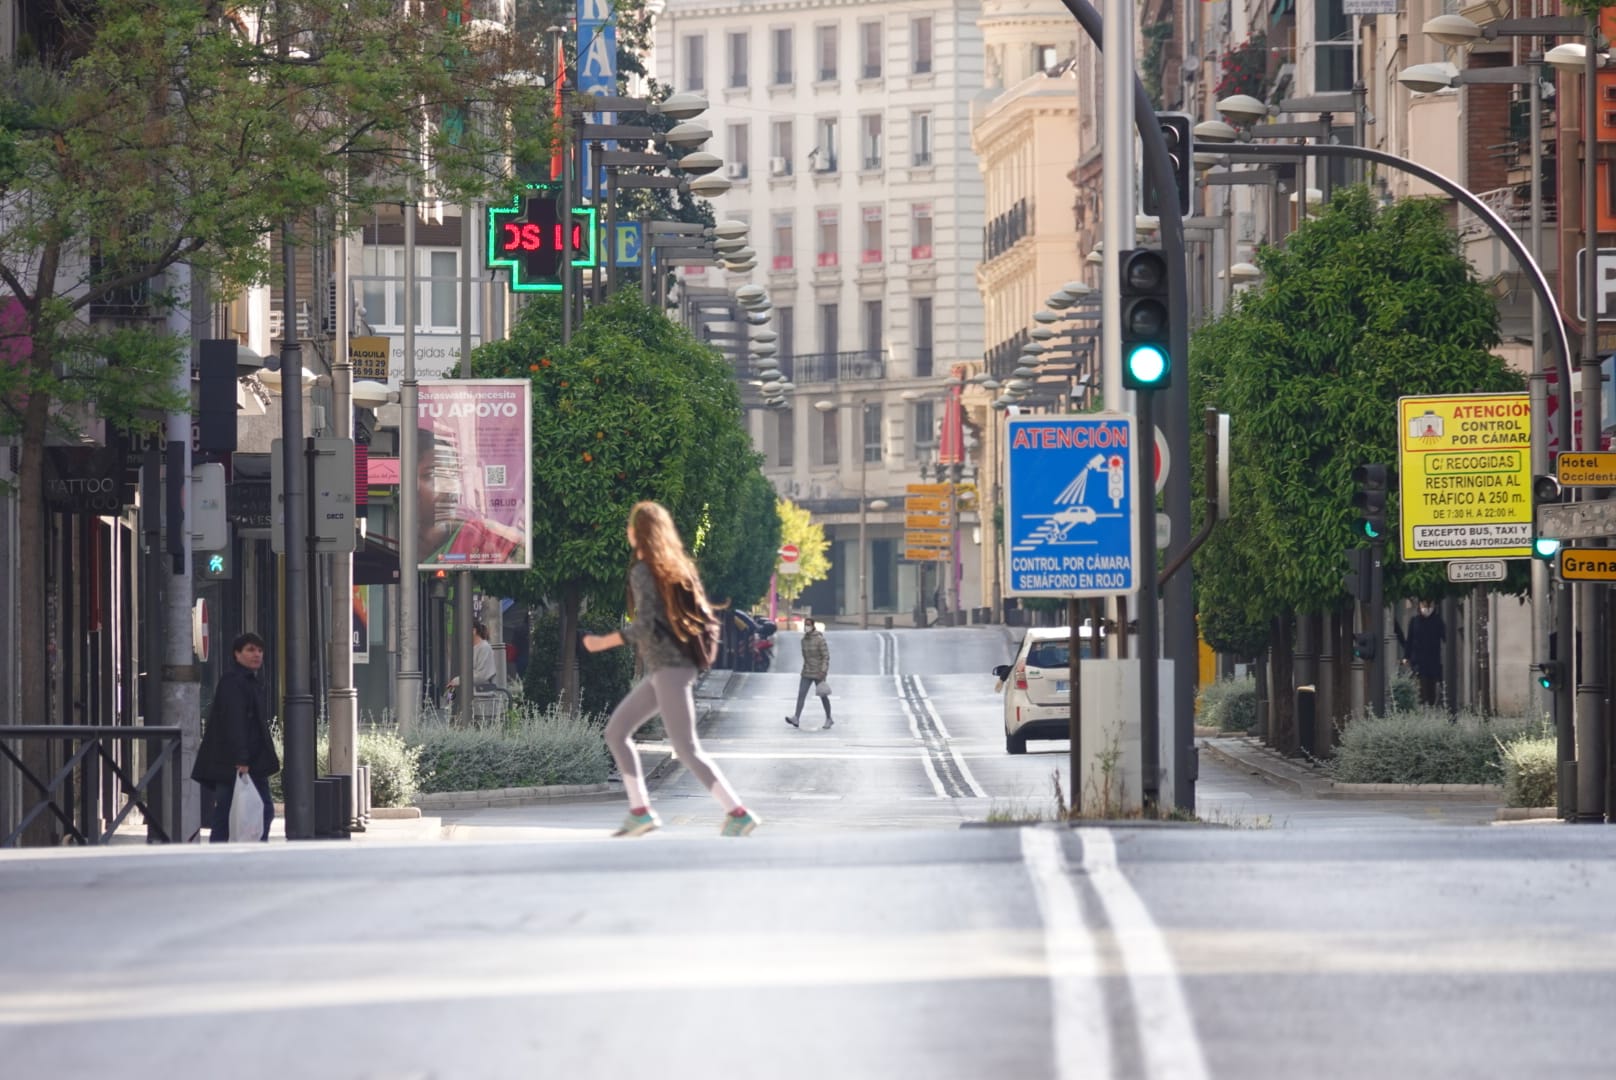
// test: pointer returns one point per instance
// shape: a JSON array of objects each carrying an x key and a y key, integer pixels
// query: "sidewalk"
[{"x": 1297, "y": 775}]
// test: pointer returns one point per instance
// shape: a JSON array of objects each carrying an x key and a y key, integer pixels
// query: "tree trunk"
[
  {"x": 1283, "y": 704},
  {"x": 567, "y": 657}
]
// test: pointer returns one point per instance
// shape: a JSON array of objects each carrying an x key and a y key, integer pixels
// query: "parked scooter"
[{"x": 763, "y": 645}]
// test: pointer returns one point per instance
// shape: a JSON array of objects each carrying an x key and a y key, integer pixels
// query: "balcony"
[
  {"x": 1002, "y": 233},
  {"x": 1003, "y": 358},
  {"x": 860, "y": 365}
]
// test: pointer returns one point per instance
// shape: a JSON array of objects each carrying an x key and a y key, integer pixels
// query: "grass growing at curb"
[
  {"x": 1529, "y": 761},
  {"x": 1424, "y": 746},
  {"x": 1032, "y": 811}
]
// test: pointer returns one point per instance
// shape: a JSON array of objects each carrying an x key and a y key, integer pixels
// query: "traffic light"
[
  {"x": 1370, "y": 500},
  {"x": 1550, "y": 674},
  {"x": 1176, "y": 129},
  {"x": 1360, "y": 565},
  {"x": 1545, "y": 491},
  {"x": 1363, "y": 646},
  {"x": 1147, "y": 362}
]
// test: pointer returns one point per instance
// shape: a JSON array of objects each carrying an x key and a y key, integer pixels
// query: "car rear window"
[{"x": 1049, "y": 654}]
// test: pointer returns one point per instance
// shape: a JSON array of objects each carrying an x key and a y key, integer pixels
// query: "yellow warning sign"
[{"x": 1465, "y": 476}]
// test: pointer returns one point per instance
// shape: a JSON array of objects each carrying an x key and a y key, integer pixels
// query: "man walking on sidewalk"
[{"x": 815, "y": 668}]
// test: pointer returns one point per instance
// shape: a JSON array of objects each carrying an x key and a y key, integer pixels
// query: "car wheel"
[{"x": 1015, "y": 744}]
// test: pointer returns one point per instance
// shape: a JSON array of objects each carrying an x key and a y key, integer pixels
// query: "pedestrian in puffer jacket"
[{"x": 815, "y": 670}]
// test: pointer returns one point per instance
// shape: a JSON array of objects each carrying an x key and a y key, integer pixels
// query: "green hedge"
[
  {"x": 1529, "y": 769},
  {"x": 604, "y": 677},
  {"x": 1228, "y": 705},
  {"x": 1424, "y": 747},
  {"x": 533, "y": 748}
]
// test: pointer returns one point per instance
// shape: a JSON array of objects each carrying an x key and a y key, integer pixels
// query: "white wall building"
[{"x": 845, "y": 132}]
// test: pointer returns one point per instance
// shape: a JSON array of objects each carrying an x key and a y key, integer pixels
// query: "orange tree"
[{"x": 632, "y": 408}]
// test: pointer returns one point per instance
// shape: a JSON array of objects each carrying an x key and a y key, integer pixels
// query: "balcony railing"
[
  {"x": 863, "y": 364},
  {"x": 1003, "y": 357},
  {"x": 1004, "y": 231}
]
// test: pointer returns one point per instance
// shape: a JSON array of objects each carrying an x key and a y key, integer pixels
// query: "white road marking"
[
  {"x": 965, "y": 771},
  {"x": 1076, "y": 977},
  {"x": 903, "y": 702},
  {"x": 931, "y": 773},
  {"x": 1167, "y": 1039},
  {"x": 810, "y": 755}
]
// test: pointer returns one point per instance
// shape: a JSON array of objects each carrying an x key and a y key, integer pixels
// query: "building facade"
[{"x": 844, "y": 132}]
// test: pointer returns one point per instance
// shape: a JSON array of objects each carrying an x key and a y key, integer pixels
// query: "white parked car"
[{"x": 1036, "y": 694}]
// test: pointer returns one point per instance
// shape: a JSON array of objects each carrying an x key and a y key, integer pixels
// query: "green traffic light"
[
  {"x": 1545, "y": 547},
  {"x": 1147, "y": 366},
  {"x": 1369, "y": 530}
]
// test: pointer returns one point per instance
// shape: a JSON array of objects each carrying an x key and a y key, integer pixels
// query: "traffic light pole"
[
  {"x": 1149, "y": 641},
  {"x": 1376, "y": 626}
]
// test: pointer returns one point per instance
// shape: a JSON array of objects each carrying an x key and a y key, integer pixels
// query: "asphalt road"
[{"x": 861, "y": 933}]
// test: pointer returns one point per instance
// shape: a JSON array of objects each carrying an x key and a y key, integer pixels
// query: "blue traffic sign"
[{"x": 1071, "y": 526}]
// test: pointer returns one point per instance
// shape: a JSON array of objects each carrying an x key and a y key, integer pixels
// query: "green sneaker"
[
  {"x": 639, "y": 824},
  {"x": 740, "y": 826}
]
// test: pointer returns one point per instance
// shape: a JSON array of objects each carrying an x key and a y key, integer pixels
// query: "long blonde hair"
[{"x": 657, "y": 544}]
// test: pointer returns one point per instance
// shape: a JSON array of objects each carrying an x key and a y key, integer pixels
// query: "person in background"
[
  {"x": 815, "y": 669},
  {"x": 669, "y": 614},
  {"x": 1422, "y": 651},
  {"x": 236, "y": 739}
]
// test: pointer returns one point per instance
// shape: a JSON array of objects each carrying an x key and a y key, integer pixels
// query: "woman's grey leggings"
[
  {"x": 802, "y": 696},
  {"x": 668, "y": 692}
]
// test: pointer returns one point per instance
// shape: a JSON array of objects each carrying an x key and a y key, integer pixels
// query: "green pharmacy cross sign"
[{"x": 530, "y": 238}]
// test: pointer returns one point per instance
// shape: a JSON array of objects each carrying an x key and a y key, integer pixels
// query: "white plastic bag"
[
  {"x": 246, "y": 812},
  {"x": 822, "y": 688}
]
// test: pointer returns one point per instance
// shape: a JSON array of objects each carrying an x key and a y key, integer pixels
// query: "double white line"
[{"x": 1166, "y": 1032}]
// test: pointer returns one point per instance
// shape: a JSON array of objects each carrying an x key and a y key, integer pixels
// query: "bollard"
[
  {"x": 1306, "y": 714},
  {"x": 364, "y": 794},
  {"x": 345, "y": 819},
  {"x": 325, "y": 807}
]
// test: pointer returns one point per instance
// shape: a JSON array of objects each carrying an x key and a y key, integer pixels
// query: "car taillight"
[{"x": 1021, "y": 678}]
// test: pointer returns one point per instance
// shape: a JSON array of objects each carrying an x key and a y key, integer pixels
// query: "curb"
[
  {"x": 1527, "y": 813},
  {"x": 394, "y": 813},
  {"x": 517, "y": 796},
  {"x": 1277, "y": 773}
]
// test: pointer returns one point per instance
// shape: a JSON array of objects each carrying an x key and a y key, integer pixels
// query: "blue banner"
[
  {"x": 1071, "y": 525},
  {"x": 597, "y": 73}
]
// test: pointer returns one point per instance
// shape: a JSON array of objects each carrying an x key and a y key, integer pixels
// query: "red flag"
[
  {"x": 951, "y": 444},
  {"x": 556, "y": 163}
]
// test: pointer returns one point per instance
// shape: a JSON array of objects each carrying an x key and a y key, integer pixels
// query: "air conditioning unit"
[
  {"x": 824, "y": 166},
  {"x": 779, "y": 166},
  {"x": 735, "y": 170}
]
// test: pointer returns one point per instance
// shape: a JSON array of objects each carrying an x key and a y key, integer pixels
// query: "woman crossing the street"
[{"x": 669, "y": 624}]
